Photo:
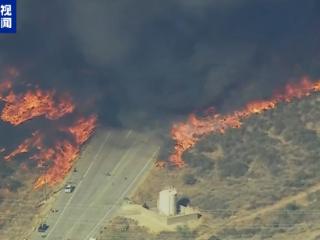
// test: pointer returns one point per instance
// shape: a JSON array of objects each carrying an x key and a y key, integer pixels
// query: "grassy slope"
[
  {"x": 19, "y": 204},
  {"x": 255, "y": 182}
]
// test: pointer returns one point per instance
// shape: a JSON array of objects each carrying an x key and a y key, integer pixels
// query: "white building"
[{"x": 167, "y": 202}]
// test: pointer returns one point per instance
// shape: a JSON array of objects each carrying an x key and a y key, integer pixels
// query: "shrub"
[{"x": 189, "y": 179}]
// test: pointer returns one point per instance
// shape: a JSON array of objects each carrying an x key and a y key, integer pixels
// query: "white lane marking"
[
  {"x": 97, "y": 154},
  {"x": 102, "y": 192},
  {"x": 128, "y": 134},
  {"x": 90, "y": 166},
  {"x": 122, "y": 195},
  {"x": 78, "y": 186},
  {"x": 120, "y": 161}
]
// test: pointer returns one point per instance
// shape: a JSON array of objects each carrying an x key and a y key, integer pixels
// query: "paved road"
[{"x": 108, "y": 169}]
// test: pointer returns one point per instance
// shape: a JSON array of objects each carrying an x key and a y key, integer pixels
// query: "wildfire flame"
[
  {"x": 82, "y": 128},
  {"x": 187, "y": 134},
  {"x": 58, "y": 158},
  {"x": 64, "y": 152},
  {"x": 33, "y": 142},
  {"x": 62, "y": 156},
  {"x": 22, "y": 107}
]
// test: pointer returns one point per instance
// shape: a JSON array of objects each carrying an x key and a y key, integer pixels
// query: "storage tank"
[{"x": 167, "y": 202}]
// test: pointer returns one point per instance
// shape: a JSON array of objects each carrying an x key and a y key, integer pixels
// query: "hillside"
[
  {"x": 20, "y": 205},
  {"x": 260, "y": 181}
]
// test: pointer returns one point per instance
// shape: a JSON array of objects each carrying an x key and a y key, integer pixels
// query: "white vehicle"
[{"x": 68, "y": 188}]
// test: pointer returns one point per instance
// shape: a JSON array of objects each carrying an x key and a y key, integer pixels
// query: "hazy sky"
[{"x": 135, "y": 61}]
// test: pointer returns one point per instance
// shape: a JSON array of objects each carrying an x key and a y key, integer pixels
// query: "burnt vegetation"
[
  {"x": 8, "y": 181},
  {"x": 273, "y": 156}
]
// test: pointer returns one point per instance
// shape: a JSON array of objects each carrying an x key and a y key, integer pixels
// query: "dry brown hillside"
[{"x": 261, "y": 181}]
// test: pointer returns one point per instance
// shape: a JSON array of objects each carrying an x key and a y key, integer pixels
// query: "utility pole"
[
  {"x": 44, "y": 167},
  {"x": 45, "y": 187}
]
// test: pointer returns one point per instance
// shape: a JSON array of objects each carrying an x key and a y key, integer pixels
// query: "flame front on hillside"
[
  {"x": 23, "y": 107},
  {"x": 187, "y": 134},
  {"x": 57, "y": 158},
  {"x": 64, "y": 153},
  {"x": 60, "y": 157},
  {"x": 82, "y": 128}
]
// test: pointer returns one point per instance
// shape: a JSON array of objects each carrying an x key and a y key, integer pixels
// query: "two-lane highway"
[{"x": 109, "y": 167}]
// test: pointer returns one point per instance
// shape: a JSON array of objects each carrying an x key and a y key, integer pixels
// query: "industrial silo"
[{"x": 167, "y": 202}]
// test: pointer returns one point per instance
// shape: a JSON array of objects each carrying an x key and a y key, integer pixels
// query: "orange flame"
[
  {"x": 33, "y": 142},
  {"x": 64, "y": 153},
  {"x": 82, "y": 128},
  {"x": 59, "y": 157},
  {"x": 23, "y": 107},
  {"x": 187, "y": 134},
  {"x": 62, "y": 156}
]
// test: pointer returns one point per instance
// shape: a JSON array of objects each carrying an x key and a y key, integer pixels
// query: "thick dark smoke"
[{"x": 139, "y": 62}]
